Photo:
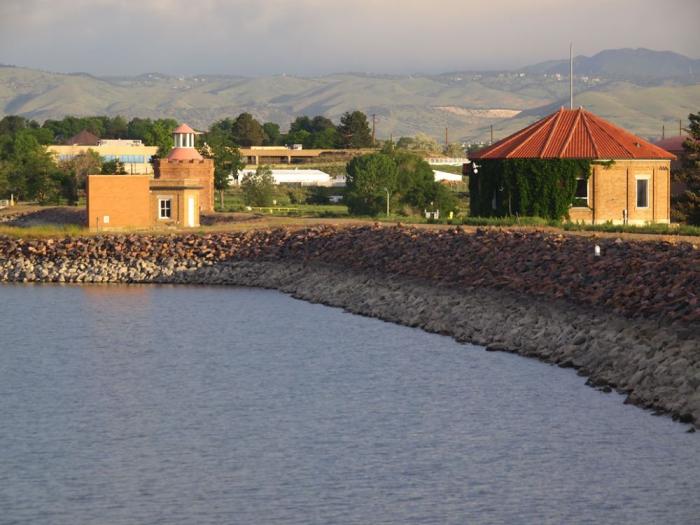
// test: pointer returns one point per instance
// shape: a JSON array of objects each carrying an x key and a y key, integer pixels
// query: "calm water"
[{"x": 220, "y": 405}]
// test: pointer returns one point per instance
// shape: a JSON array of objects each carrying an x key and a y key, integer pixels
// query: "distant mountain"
[
  {"x": 640, "y": 65},
  {"x": 638, "y": 89}
]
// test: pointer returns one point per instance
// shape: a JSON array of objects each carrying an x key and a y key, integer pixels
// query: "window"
[
  {"x": 581, "y": 195},
  {"x": 164, "y": 208},
  {"x": 132, "y": 159},
  {"x": 642, "y": 193}
]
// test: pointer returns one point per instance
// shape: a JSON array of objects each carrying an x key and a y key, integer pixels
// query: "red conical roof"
[
  {"x": 184, "y": 154},
  {"x": 572, "y": 134},
  {"x": 183, "y": 128}
]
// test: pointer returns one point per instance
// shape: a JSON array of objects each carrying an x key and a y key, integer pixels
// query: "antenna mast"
[{"x": 571, "y": 75}]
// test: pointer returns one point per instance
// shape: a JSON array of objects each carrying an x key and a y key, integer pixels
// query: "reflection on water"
[{"x": 149, "y": 404}]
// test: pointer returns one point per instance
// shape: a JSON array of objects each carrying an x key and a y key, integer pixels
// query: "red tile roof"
[
  {"x": 673, "y": 144},
  {"x": 184, "y": 154},
  {"x": 84, "y": 138},
  {"x": 183, "y": 128},
  {"x": 572, "y": 134}
]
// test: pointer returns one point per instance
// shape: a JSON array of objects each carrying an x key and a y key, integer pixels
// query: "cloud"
[{"x": 320, "y": 36}]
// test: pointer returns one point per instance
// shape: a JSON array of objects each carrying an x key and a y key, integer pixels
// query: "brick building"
[
  {"x": 634, "y": 188},
  {"x": 180, "y": 189}
]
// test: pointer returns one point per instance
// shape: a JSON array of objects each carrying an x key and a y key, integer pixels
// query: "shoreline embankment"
[{"x": 628, "y": 319}]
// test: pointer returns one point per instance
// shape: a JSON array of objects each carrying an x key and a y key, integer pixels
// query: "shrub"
[{"x": 259, "y": 187}]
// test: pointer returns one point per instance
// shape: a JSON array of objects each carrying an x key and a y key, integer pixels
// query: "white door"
[{"x": 190, "y": 212}]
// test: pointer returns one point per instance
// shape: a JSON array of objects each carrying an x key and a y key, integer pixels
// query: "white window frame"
[
  {"x": 161, "y": 208},
  {"x": 577, "y": 198},
  {"x": 637, "y": 178}
]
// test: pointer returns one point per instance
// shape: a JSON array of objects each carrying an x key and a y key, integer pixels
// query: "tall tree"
[
  {"x": 218, "y": 144},
  {"x": 161, "y": 135},
  {"x": 371, "y": 179},
  {"x": 116, "y": 128},
  {"x": 686, "y": 207},
  {"x": 354, "y": 131},
  {"x": 27, "y": 166},
  {"x": 247, "y": 131},
  {"x": 272, "y": 134}
]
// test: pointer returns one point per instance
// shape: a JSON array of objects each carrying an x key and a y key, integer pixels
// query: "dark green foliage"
[
  {"x": 531, "y": 187},
  {"x": 113, "y": 167},
  {"x": 221, "y": 147},
  {"x": 259, "y": 187},
  {"x": 27, "y": 169},
  {"x": 368, "y": 180},
  {"x": 686, "y": 207},
  {"x": 273, "y": 137},
  {"x": 354, "y": 130},
  {"x": 67, "y": 185},
  {"x": 247, "y": 131},
  {"x": 314, "y": 133},
  {"x": 408, "y": 178}
]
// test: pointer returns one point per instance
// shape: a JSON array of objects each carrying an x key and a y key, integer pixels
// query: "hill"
[
  {"x": 640, "y": 65},
  {"x": 648, "y": 90}
]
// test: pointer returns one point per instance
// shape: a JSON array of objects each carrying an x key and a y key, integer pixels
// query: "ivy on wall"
[{"x": 531, "y": 187}]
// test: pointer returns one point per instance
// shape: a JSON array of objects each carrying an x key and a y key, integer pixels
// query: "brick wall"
[
  {"x": 200, "y": 171},
  {"x": 118, "y": 202},
  {"x": 614, "y": 189}
]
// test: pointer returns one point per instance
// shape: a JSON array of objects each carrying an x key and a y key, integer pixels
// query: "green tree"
[
  {"x": 369, "y": 179},
  {"x": 27, "y": 165},
  {"x": 247, "y": 131},
  {"x": 421, "y": 142},
  {"x": 259, "y": 187},
  {"x": 139, "y": 129},
  {"x": 161, "y": 135},
  {"x": 113, "y": 167},
  {"x": 218, "y": 145},
  {"x": 354, "y": 131},
  {"x": 686, "y": 207},
  {"x": 116, "y": 128},
  {"x": 272, "y": 134},
  {"x": 82, "y": 165}
]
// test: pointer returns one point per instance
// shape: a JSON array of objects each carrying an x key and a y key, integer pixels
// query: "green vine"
[{"x": 531, "y": 187}]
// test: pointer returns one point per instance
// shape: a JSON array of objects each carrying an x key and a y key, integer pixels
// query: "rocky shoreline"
[{"x": 651, "y": 354}]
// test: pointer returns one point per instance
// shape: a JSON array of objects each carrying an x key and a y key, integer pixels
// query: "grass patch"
[
  {"x": 509, "y": 221},
  {"x": 657, "y": 229},
  {"x": 47, "y": 231}
]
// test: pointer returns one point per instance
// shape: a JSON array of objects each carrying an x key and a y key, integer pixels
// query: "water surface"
[{"x": 154, "y": 404}]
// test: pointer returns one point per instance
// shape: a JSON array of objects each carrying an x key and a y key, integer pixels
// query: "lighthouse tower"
[
  {"x": 185, "y": 165},
  {"x": 184, "y": 144}
]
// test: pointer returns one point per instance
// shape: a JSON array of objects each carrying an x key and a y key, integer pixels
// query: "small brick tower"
[{"x": 185, "y": 162}]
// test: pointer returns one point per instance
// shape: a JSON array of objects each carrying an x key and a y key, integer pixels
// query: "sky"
[{"x": 314, "y": 37}]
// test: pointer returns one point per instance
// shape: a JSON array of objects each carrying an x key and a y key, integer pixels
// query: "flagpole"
[{"x": 571, "y": 75}]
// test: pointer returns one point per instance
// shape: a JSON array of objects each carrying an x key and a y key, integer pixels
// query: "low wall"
[{"x": 627, "y": 319}]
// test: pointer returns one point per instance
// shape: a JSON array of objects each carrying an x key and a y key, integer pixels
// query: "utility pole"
[
  {"x": 663, "y": 132},
  {"x": 374, "y": 127},
  {"x": 447, "y": 141},
  {"x": 491, "y": 134},
  {"x": 680, "y": 126},
  {"x": 571, "y": 75}
]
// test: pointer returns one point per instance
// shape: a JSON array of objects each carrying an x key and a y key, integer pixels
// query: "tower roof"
[
  {"x": 572, "y": 134},
  {"x": 184, "y": 154},
  {"x": 183, "y": 128}
]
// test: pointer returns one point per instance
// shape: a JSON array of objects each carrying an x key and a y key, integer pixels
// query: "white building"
[
  {"x": 301, "y": 177},
  {"x": 444, "y": 176}
]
